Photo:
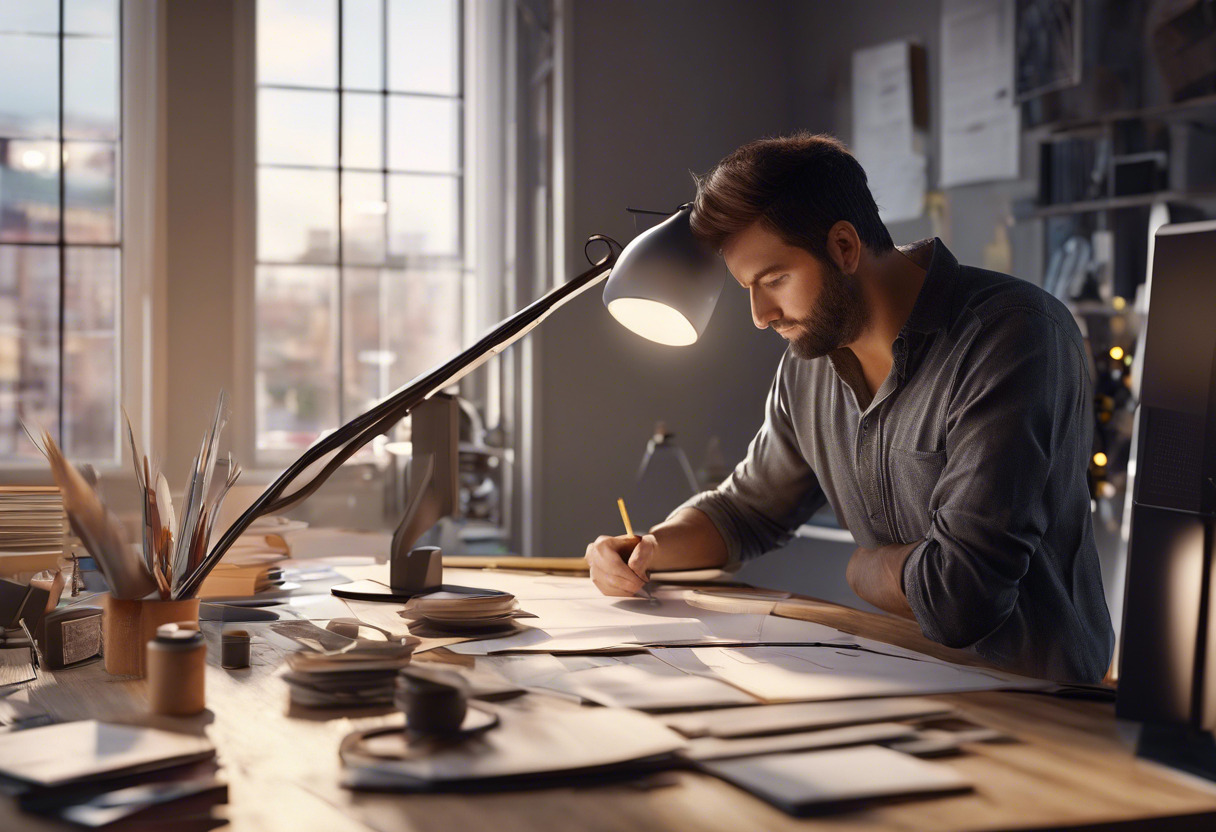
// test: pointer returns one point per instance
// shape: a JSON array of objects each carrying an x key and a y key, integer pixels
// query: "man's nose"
[{"x": 764, "y": 311}]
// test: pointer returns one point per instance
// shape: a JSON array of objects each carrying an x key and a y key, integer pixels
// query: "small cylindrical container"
[
  {"x": 434, "y": 704},
  {"x": 234, "y": 649},
  {"x": 176, "y": 664}
]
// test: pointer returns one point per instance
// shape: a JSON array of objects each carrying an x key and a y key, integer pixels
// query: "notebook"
[
  {"x": 70, "y": 752},
  {"x": 809, "y": 781}
]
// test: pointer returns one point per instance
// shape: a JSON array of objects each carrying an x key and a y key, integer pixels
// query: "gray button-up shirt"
[{"x": 975, "y": 447}]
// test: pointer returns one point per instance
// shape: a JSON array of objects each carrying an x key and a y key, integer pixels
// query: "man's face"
[{"x": 811, "y": 303}]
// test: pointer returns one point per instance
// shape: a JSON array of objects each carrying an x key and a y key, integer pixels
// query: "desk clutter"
[
  {"x": 487, "y": 679},
  {"x": 96, "y": 774}
]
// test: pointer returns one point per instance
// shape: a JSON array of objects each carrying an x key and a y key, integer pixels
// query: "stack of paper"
[
  {"x": 463, "y": 609},
  {"x": 97, "y": 774},
  {"x": 358, "y": 677},
  {"x": 33, "y": 528}
]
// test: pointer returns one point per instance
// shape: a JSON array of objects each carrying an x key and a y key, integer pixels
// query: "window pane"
[
  {"x": 29, "y": 16},
  {"x": 367, "y": 361},
  {"x": 363, "y": 210},
  {"x": 90, "y": 192},
  {"x": 297, "y": 127},
  {"x": 424, "y": 134},
  {"x": 297, "y": 42},
  {"x": 423, "y": 215},
  {"x": 90, "y": 88},
  {"x": 297, "y": 215},
  {"x": 362, "y": 44},
  {"x": 422, "y": 320},
  {"x": 362, "y": 130},
  {"x": 29, "y": 191},
  {"x": 91, "y": 354},
  {"x": 90, "y": 17},
  {"x": 422, "y": 46},
  {"x": 297, "y": 363},
  {"x": 29, "y": 86},
  {"x": 29, "y": 346}
]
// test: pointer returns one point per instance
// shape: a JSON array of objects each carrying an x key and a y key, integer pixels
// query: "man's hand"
[
  {"x": 876, "y": 575},
  {"x": 609, "y": 571},
  {"x": 686, "y": 540}
]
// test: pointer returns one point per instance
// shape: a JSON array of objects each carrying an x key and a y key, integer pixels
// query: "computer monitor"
[{"x": 1167, "y": 667}]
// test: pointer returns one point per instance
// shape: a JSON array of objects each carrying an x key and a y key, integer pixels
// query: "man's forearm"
[
  {"x": 876, "y": 575},
  {"x": 689, "y": 540}
]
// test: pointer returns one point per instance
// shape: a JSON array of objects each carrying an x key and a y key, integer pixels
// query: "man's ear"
[{"x": 844, "y": 246}]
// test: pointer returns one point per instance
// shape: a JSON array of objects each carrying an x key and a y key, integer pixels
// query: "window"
[
  {"x": 360, "y": 187},
  {"x": 60, "y": 235}
]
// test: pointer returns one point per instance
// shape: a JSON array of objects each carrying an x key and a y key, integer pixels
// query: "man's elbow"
[{"x": 962, "y": 623}]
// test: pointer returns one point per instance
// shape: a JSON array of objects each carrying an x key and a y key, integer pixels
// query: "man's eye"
[{"x": 775, "y": 281}]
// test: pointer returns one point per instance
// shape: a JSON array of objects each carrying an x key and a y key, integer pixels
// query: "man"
[{"x": 943, "y": 411}]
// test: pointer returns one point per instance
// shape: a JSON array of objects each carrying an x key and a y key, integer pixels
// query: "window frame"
[
  {"x": 249, "y": 168},
  {"x": 140, "y": 36}
]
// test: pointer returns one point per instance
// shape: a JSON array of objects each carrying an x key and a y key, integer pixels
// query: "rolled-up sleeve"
[
  {"x": 771, "y": 492},
  {"x": 1019, "y": 393}
]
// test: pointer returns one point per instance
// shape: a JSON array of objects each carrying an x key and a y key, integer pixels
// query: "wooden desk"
[{"x": 1072, "y": 766}]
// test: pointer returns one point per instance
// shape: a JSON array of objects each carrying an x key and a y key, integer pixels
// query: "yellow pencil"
[{"x": 620, "y": 503}]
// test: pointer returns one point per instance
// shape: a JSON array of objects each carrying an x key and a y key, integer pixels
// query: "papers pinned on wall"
[
  {"x": 980, "y": 120},
  {"x": 890, "y": 117}
]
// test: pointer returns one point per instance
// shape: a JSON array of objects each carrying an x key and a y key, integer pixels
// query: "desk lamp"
[{"x": 663, "y": 286}]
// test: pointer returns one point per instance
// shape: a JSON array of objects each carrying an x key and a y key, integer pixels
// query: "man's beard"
[{"x": 839, "y": 316}]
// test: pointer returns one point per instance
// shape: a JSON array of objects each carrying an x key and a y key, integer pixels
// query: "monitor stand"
[{"x": 1180, "y": 747}]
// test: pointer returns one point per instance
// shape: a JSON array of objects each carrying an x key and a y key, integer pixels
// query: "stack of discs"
[{"x": 464, "y": 608}]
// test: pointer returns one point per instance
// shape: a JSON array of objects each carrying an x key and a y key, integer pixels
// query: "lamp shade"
[{"x": 665, "y": 283}]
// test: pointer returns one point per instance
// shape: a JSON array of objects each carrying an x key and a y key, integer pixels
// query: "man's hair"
[{"x": 798, "y": 186}]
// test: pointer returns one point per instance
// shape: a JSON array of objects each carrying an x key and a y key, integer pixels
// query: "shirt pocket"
[{"x": 913, "y": 476}]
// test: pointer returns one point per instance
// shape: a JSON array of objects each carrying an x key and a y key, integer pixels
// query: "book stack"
[
  {"x": 34, "y": 532},
  {"x": 248, "y": 574},
  {"x": 250, "y": 566}
]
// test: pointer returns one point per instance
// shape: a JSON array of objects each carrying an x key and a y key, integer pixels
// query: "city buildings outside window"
[
  {"x": 60, "y": 235},
  {"x": 360, "y": 187}
]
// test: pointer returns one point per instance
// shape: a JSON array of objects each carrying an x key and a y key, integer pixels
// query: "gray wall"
[{"x": 659, "y": 89}]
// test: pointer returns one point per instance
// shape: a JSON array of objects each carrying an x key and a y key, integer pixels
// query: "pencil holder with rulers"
[{"x": 128, "y": 625}]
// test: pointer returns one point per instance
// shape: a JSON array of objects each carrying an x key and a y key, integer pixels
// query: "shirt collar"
[{"x": 932, "y": 310}]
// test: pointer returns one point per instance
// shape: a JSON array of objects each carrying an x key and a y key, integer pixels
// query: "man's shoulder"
[{"x": 995, "y": 301}]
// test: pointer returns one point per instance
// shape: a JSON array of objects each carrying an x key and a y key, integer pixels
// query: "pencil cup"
[{"x": 127, "y": 627}]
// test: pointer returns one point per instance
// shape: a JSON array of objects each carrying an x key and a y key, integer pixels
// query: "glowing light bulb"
[
  {"x": 1100, "y": 459},
  {"x": 1116, "y": 353},
  {"x": 1119, "y": 303}
]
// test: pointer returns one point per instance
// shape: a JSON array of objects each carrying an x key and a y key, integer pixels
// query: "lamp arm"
[{"x": 356, "y": 433}]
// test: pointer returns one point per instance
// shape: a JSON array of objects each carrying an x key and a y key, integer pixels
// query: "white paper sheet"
[
  {"x": 715, "y": 748},
  {"x": 636, "y": 681},
  {"x": 885, "y": 139},
  {"x": 980, "y": 121},
  {"x": 601, "y": 623},
  {"x": 800, "y": 674}
]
